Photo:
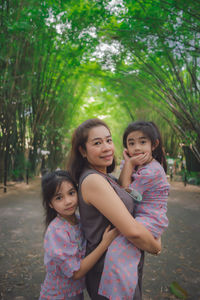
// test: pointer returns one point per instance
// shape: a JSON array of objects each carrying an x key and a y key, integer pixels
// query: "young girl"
[
  {"x": 64, "y": 242},
  {"x": 142, "y": 171}
]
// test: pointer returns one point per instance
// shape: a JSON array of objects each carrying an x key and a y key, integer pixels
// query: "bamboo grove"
[{"x": 50, "y": 51}]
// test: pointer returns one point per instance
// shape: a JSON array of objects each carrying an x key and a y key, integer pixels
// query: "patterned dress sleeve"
[
  {"x": 151, "y": 182},
  {"x": 148, "y": 179},
  {"x": 122, "y": 164},
  {"x": 61, "y": 251}
]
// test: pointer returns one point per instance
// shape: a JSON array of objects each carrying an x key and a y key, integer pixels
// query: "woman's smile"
[
  {"x": 107, "y": 157},
  {"x": 99, "y": 148}
]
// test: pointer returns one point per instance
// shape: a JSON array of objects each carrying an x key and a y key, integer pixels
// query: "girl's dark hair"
[
  {"x": 152, "y": 132},
  {"x": 51, "y": 182},
  {"x": 76, "y": 162}
]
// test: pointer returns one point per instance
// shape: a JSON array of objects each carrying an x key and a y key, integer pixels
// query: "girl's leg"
[
  {"x": 92, "y": 284},
  {"x": 138, "y": 289},
  {"x": 120, "y": 274},
  {"x": 77, "y": 297}
]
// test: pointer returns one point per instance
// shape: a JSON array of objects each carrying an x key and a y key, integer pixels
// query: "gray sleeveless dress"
[{"x": 94, "y": 225}]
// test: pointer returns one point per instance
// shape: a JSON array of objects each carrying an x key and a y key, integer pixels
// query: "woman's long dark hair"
[
  {"x": 152, "y": 132},
  {"x": 76, "y": 162},
  {"x": 51, "y": 183}
]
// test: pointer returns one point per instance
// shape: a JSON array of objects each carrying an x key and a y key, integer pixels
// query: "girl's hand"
[
  {"x": 109, "y": 235},
  {"x": 126, "y": 155},
  {"x": 141, "y": 159},
  {"x": 136, "y": 160},
  {"x": 91, "y": 259}
]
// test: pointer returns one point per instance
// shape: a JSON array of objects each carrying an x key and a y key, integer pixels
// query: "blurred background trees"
[{"x": 65, "y": 61}]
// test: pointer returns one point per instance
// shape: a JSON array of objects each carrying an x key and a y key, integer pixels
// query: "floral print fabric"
[
  {"x": 64, "y": 246},
  {"x": 119, "y": 277}
]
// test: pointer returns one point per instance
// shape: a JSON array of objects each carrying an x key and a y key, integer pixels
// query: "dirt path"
[{"x": 21, "y": 252}]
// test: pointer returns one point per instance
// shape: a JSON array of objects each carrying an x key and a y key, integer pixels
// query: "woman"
[{"x": 101, "y": 200}]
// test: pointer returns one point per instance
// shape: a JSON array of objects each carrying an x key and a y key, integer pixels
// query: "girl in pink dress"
[
  {"x": 64, "y": 242},
  {"x": 143, "y": 173}
]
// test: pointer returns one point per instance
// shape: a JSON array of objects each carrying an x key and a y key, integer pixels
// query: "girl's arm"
[
  {"x": 130, "y": 163},
  {"x": 127, "y": 170},
  {"x": 99, "y": 193},
  {"x": 90, "y": 260},
  {"x": 126, "y": 174}
]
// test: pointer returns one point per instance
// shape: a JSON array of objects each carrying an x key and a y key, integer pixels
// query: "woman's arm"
[
  {"x": 90, "y": 260},
  {"x": 99, "y": 193}
]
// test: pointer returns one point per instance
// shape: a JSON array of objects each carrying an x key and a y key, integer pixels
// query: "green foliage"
[
  {"x": 19, "y": 168},
  {"x": 158, "y": 61},
  {"x": 63, "y": 62},
  {"x": 40, "y": 62},
  {"x": 178, "y": 291}
]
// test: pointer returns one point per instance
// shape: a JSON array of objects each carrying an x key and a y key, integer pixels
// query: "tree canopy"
[{"x": 65, "y": 61}]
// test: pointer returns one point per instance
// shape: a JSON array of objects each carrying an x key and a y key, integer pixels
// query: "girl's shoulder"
[
  {"x": 152, "y": 168},
  {"x": 155, "y": 165},
  {"x": 61, "y": 229},
  {"x": 58, "y": 224},
  {"x": 54, "y": 223},
  {"x": 151, "y": 175}
]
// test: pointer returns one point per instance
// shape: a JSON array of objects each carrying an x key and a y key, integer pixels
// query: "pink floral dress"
[
  {"x": 119, "y": 277},
  {"x": 64, "y": 246}
]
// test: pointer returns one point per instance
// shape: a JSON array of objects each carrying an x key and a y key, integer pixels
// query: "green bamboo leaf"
[{"x": 178, "y": 291}]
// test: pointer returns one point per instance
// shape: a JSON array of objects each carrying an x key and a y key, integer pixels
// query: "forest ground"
[{"x": 21, "y": 245}]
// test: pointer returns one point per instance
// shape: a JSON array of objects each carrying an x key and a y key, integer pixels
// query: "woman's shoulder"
[
  {"x": 94, "y": 180},
  {"x": 90, "y": 175}
]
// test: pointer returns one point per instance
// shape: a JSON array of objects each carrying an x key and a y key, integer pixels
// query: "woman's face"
[{"x": 99, "y": 148}]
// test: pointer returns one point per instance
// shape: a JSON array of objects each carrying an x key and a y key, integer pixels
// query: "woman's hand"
[
  {"x": 159, "y": 245},
  {"x": 109, "y": 235}
]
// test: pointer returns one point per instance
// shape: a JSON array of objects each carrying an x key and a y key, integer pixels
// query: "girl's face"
[
  {"x": 65, "y": 200},
  {"x": 99, "y": 148},
  {"x": 138, "y": 143}
]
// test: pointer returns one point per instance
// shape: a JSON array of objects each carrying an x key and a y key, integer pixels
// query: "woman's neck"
[{"x": 100, "y": 170}]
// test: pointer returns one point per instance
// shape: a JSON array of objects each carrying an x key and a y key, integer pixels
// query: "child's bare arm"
[
  {"x": 127, "y": 170},
  {"x": 89, "y": 261},
  {"x": 130, "y": 163}
]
